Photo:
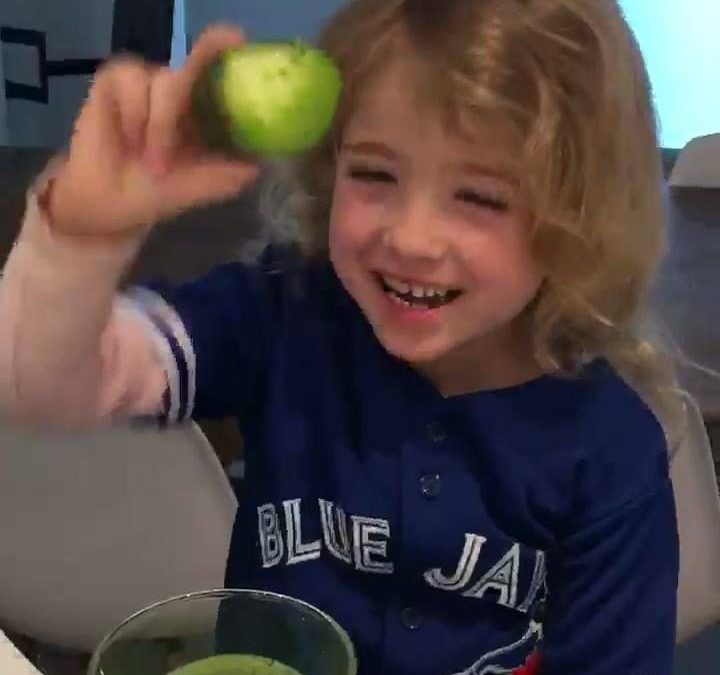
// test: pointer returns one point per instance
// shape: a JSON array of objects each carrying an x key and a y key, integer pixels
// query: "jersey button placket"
[
  {"x": 425, "y": 483},
  {"x": 411, "y": 618},
  {"x": 431, "y": 483}
]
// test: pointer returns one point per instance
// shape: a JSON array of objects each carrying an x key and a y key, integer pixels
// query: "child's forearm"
[{"x": 70, "y": 356}]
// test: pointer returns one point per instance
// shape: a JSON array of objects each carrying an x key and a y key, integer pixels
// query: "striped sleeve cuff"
[{"x": 175, "y": 348}]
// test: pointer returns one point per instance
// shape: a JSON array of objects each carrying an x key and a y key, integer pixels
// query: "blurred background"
[
  {"x": 50, "y": 47},
  {"x": 682, "y": 50}
]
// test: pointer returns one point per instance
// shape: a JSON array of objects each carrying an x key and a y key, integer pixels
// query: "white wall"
[
  {"x": 74, "y": 29},
  {"x": 263, "y": 19},
  {"x": 680, "y": 40},
  {"x": 178, "y": 49}
]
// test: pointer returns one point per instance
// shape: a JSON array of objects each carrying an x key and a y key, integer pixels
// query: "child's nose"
[{"x": 414, "y": 233}]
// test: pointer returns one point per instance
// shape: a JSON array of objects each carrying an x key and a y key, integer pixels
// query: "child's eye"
[
  {"x": 371, "y": 175},
  {"x": 483, "y": 200}
]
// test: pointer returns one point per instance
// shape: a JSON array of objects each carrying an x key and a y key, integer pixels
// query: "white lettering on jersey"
[
  {"x": 465, "y": 568},
  {"x": 336, "y": 539},
  {"x": 298, "y": 551},
  {"x": 538, "y": 581},
  {"x": 363, "y": 543},
  {"x": 271, "y": 541},
  {"x": 370, "y": 537},
  {"x": 502, "y": 577}
]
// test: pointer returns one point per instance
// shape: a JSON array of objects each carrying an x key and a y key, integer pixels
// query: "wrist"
[{"x": 64, "y": 220}]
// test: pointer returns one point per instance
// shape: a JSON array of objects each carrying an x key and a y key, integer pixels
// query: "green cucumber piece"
[{"x": 273, "y": 99}]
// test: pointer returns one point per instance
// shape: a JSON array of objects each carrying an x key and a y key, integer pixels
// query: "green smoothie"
[
  {"x": 270, "y": 99},
  {"x": 235, "y": 664}
]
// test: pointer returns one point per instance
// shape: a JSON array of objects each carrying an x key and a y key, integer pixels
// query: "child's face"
[{"x": 419, "y": 212}]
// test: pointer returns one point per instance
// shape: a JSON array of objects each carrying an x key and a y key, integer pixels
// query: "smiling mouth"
[{"x": 417, "y": 297}]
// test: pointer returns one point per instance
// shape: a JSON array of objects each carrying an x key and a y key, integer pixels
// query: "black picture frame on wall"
[
  {"x": 36, "y": 40},
  {"x": 139, "y": 27}
]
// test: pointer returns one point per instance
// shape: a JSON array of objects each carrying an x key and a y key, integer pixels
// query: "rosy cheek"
[
  {"x": 356, "y": 205},
  {"x": 348, "y": 220},
  {"x": 343, "y": 197}
]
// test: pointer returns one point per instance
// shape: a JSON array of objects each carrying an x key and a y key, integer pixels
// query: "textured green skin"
[
  {"x": 235, "y": 664},
  {"x": 269, "y": 99}
]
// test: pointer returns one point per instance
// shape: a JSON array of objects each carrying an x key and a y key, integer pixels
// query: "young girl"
[{"x": 442, "y": 450}]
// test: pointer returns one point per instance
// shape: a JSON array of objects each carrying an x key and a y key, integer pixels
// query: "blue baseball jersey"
[{"x": 446, "y": 535}]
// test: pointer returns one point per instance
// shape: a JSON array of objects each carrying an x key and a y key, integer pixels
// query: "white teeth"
[
  {"x": 398, "y": 301},
  {"x": 409, "y": 296},
  {"x": 418, "y": 292},
  {"x": 397, "y": 285}
]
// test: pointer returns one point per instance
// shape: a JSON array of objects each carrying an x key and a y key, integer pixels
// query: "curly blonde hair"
[{"x": 570, "y": 76}]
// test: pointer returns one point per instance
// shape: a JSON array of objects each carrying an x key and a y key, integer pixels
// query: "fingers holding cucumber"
[{"x": 146, "y": 142}]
